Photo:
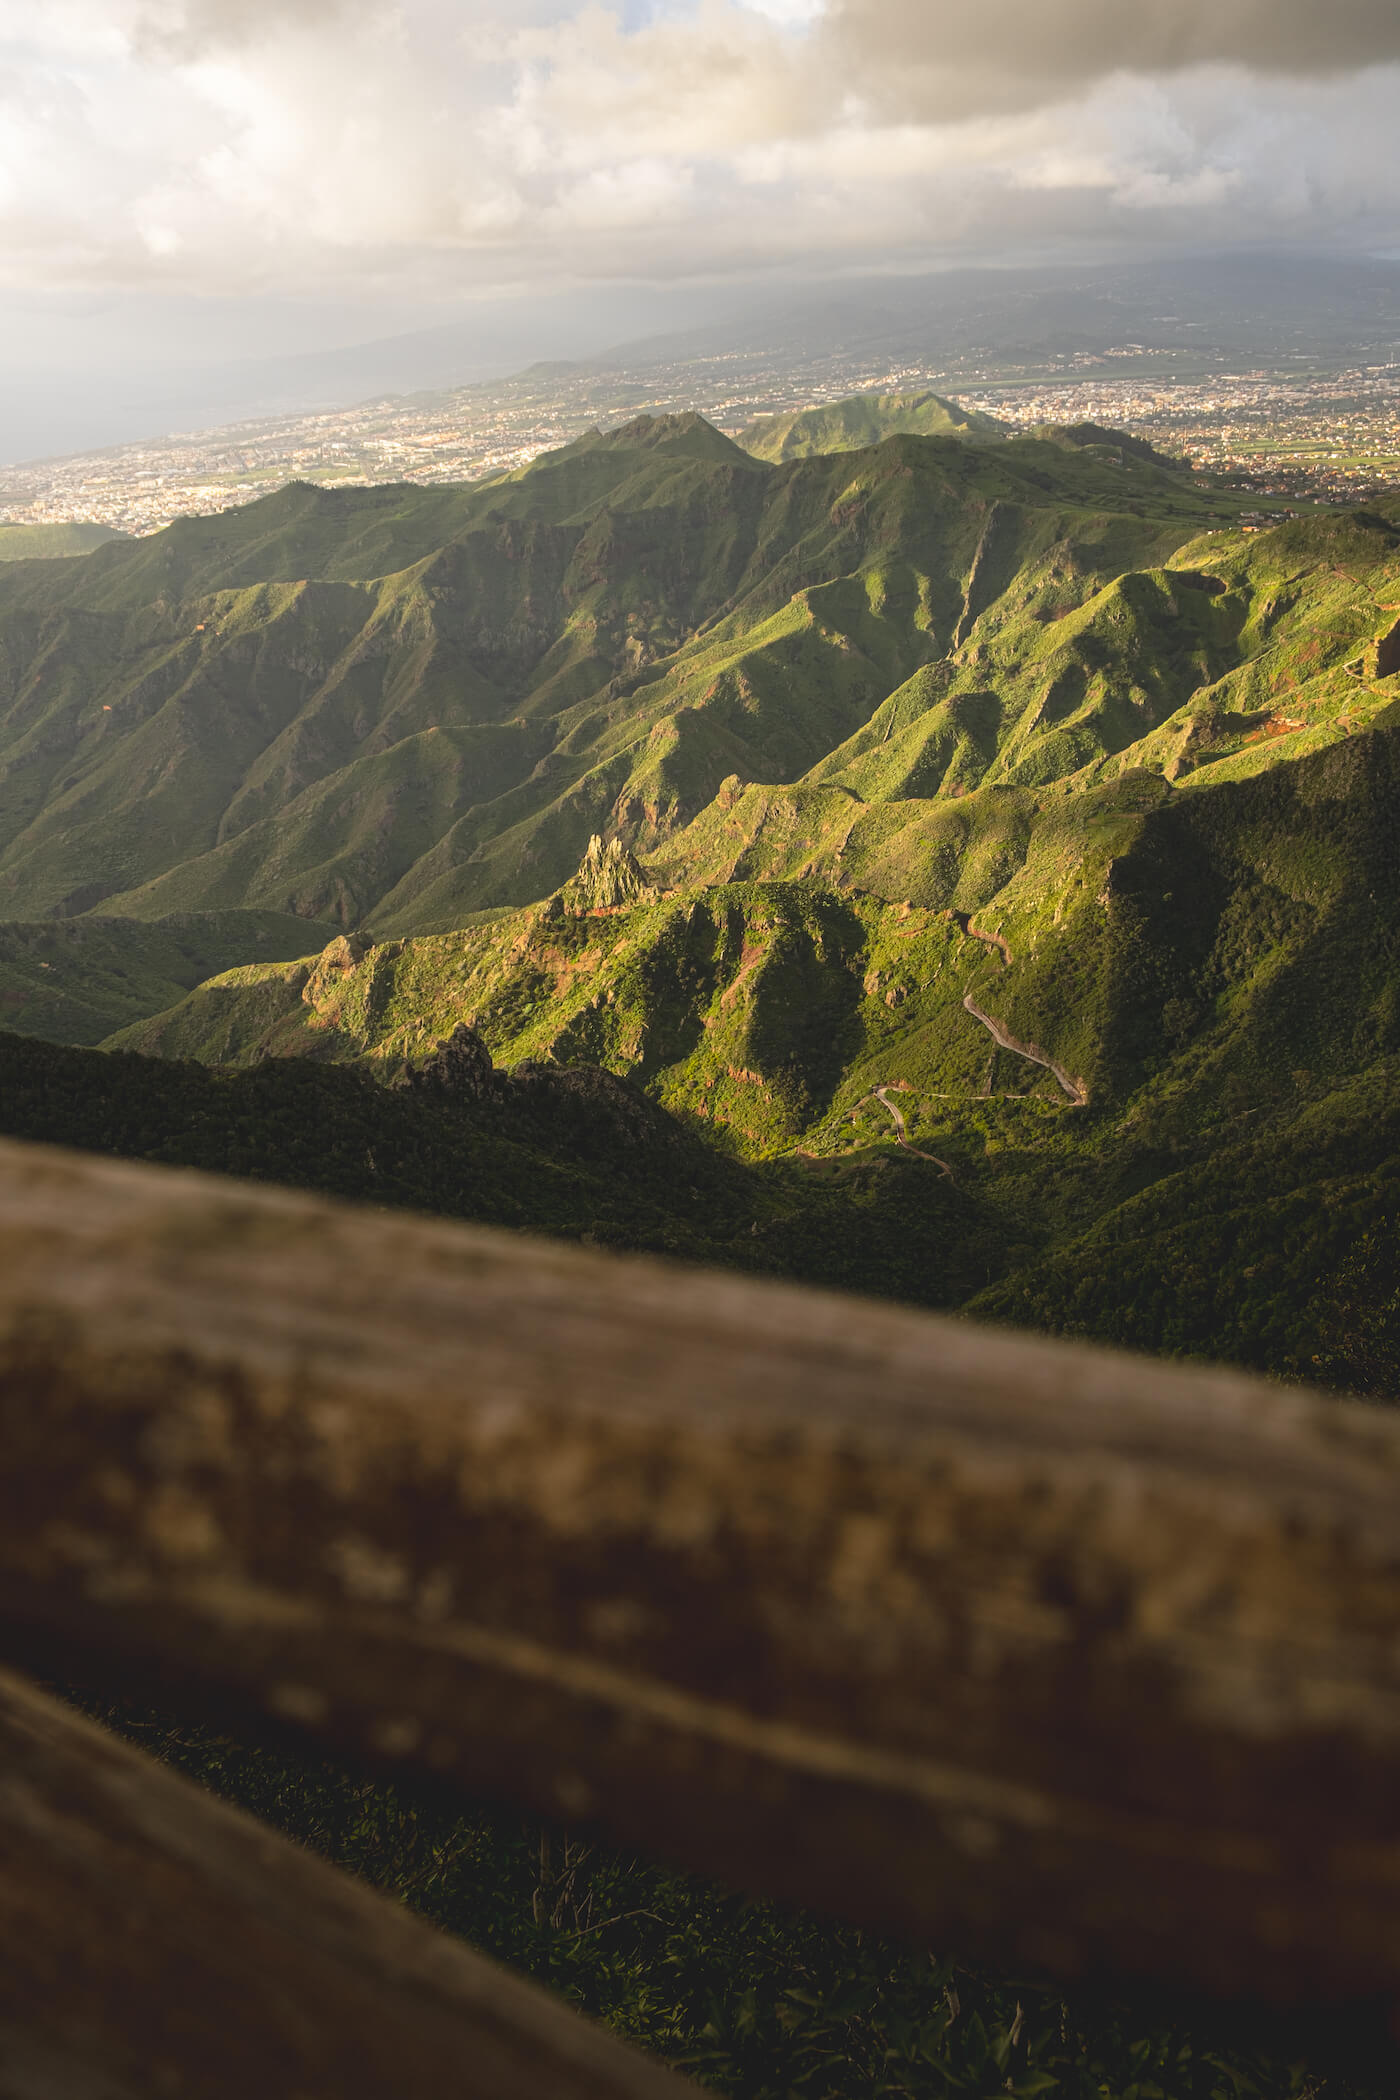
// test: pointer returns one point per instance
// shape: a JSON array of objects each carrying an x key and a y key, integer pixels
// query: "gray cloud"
[
  {"x": 941, "y": 58},
  {"x": 426, "y": 147}
]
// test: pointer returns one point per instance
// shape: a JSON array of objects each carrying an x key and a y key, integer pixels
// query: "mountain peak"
[
  {"x": 865, "y": 419},
  {"x": 610, "y": 875},
  {"x": 683, "y": 435},
  {"x": 684, "y": 431}
]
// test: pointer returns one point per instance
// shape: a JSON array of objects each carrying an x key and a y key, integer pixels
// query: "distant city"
[
  {"x": 1333, "y": 436},
  {"x": 1330, "y": 436}
]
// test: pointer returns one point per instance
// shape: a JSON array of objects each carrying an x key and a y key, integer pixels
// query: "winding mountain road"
[
  {"x": 1002, "y": 1036},
  {"x": 1075, "y": 1088}
]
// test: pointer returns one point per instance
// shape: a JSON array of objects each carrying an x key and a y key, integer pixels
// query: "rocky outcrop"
[
  {"x": 609, "y": 876},
  {"x": 345, "y": 953},
  {"x": 461, "y": 1067}
]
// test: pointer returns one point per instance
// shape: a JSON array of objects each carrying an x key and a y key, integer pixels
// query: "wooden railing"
[{"x": 1029, "y": 1649}]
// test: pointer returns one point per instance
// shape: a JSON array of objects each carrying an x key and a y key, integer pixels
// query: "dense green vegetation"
[
  {"x": 1215, "y": 974},
  {"x": 849, "y": 426},
  {"x": 76, "y": 980},
  {"x": 50, "y": 542},
  {"x": 993, "y": 903},
  {"x": 395, "y": 706},
  {"x": 758, "y": 2002},
  {"x": 576, "y": 1154}
]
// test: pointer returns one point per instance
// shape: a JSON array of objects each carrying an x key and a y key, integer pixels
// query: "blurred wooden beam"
[
  {"x": 154, "y": 1941},
  {"x": 1008, "y": 1645}
]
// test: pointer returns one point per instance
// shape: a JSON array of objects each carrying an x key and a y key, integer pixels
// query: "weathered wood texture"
[
  {"x": 1014, "y": 1646},
  {"x": 154, "y": 1942}
]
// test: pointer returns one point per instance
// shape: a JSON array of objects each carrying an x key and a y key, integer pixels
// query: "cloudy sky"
[{"x": 342, "y": 168}]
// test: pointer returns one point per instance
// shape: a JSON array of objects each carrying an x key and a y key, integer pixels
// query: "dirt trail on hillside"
[
  {"x": 882, "y": 1095},
  {"x": 1075, "y": 1088},
  {"x": 963, "y": 919},
  {"x": 896, "y": 1116}
]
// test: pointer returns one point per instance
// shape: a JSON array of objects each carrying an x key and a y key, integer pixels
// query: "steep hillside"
[
  {"x": 1122, "y": 1024},
  {"x": 753, "y": 1011},
  {"x": 75, "y": 980},
  {"x": 45, "y": 542},
  {"x": 849, "y": 426},
  {"x": 1254, "y": 915},
  {"x": 393, "y": 707},
  {"x": 1244, "y": 650},
  {"x": 576, "y": 1153}
]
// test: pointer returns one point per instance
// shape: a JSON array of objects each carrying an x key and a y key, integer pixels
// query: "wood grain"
[{"x": 1012, "y": 1646}]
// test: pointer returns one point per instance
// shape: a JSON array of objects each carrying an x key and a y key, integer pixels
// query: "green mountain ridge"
[
  {"x": 864, "y": 420},
  {"x": 1099, "y": 1020},
  {"x": 1006, "y": 815},
  {"x": 52, "y": 542},
  {"x": 393, "y": 707},
  {"x": 258, "y": 711},
  {"x": 775, "y": 973}
]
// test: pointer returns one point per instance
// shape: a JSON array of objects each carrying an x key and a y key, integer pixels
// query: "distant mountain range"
[
  {"x": 1015, "y": 818},
  {"x": 1276, "y": 310}
]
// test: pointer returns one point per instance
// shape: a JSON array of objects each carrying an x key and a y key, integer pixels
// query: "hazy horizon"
[{"x": 195, "y": 195}]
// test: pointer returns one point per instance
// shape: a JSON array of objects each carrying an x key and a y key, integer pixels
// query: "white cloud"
[
  {"x": 792, "y": 14},
  {"x": 259, "y": 145}
]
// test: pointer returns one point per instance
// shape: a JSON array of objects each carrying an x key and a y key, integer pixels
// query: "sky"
[{"x": 218, "y": 178}]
